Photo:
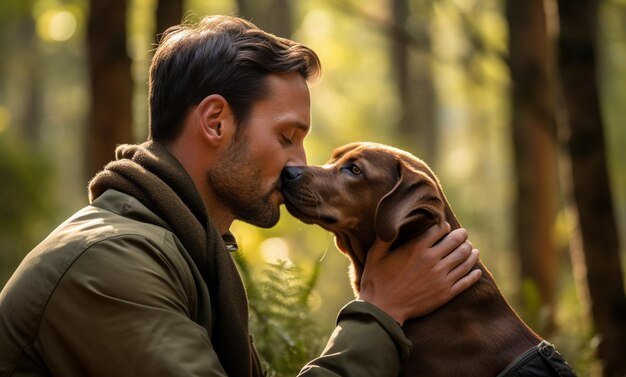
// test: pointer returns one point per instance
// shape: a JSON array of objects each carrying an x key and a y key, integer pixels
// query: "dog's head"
[{"x": 364, "y": 191}]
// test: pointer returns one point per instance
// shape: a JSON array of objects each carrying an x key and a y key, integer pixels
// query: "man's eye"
[{"x": 286, "y": 140}]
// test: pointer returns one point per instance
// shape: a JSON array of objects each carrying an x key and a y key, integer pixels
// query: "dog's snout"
[{"x": 291, "y": 173}]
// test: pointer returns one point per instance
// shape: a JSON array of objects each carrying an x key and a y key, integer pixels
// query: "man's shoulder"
[
  {"x": 122, "y": 213},
  {"x": 116, "y": 224},
  {"x": 111, "y": 220}
]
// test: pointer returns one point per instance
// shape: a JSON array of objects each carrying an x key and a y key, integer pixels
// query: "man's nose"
[
  {"x": 291, "y": 173},
  {"x": 298, "y": 158}
]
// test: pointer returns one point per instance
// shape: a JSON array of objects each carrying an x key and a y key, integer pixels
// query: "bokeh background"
[{"x": 474, "y": 87}]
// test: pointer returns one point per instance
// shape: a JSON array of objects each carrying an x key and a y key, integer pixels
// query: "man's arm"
[{"x": 366, "y": 342}]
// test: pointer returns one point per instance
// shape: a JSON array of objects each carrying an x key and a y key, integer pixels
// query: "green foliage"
[
  {"x": 531, "y": 310},
  {"x": 12, "y": 9},
  {"x": 286, "y": 336},
  {"x": 575, "y": 338},
  {"x": 26, "y": 201}
]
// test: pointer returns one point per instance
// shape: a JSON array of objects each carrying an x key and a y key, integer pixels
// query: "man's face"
[{"x": 247, "y": 177}]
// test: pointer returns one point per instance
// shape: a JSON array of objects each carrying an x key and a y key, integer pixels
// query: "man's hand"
[{"x": 420, "y": 276}]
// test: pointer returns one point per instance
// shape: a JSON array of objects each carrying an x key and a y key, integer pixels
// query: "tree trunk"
[
  {"x": 591, "y": 189},
  {"x": 168, "y": 13},
  {"x": 535, "y": 146},
  {"x": 32, "y": 113},
  {"x": 411, "y": 66},
  {"x": 400, "y": 48},
  {"x": 110, "y": 121}
]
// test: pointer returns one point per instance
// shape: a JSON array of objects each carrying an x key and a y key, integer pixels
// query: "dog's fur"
[{"x": 368, "y": 190}]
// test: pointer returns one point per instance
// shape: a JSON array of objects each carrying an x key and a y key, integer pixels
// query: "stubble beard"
[{"x": 236, "y": 182}]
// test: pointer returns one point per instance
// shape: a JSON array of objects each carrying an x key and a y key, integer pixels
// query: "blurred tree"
[
  {"x": 32, "y": 114},
  {"x": 410, "y": 56},
  {"x": 591, "y": 193},
  {"x": 26, "y": 209},
  {"x": 110, "y": 120},
  {"x": 535, "y": 144},
  {"x": 274, "y": 16},
  {"x": 27, "y": 187},
  {"x": 21, "y": 55},
  {"x": 168, "y": 13},
  {"x": 408, "y": 35}
]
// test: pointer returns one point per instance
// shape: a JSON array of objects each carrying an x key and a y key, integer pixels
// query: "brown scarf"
[{"x": 152, "y": 175}]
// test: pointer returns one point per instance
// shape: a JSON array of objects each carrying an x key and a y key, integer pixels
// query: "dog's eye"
[{"x": 355, "y": 169}]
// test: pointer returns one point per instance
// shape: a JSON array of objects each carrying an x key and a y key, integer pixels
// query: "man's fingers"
[
  {"x": 462, "y": 270},
  {"x": 458, "y": 255},
  {"x": 450, "y": 243},
  {"x": 465, "y": 282},
  {"x": 435, "y": 233}
]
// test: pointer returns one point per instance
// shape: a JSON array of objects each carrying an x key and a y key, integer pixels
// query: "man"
[{"x": 141, "y": 283}]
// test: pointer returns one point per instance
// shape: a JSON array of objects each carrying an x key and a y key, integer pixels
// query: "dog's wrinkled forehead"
[
  {"x": 354, "y": 149},
  {"x": 370, "y": 154}
]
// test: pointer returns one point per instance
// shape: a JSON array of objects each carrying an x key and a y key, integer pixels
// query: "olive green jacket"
[{"x": 112, "y": 292}]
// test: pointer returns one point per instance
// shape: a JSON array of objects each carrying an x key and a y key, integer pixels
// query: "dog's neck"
[{"x": 355, "y": 248}]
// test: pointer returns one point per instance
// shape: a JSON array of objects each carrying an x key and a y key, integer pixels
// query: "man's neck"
[{"x": 219, "y": 214}]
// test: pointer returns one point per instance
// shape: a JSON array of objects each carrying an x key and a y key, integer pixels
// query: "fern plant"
[{"x": 285, "y": 333}]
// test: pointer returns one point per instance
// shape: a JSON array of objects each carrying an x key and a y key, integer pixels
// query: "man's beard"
[{"x": 236, "y": 182}]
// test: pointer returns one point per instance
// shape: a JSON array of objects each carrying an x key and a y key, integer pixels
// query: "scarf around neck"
[{"x": 152, "y": 175}]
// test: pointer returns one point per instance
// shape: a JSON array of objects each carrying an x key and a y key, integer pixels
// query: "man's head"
[
  {"x": 232, "y": 103},
  {"x": 221, "y": 55},
  {"x": 245, "y": 177}
]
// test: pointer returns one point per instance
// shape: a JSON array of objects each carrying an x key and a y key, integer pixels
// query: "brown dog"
[{"x": 368, "y": 190}]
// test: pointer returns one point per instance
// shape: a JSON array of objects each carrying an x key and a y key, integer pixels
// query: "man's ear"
[
  {"x": 411, "y": 207},
  {"x": 214, "y": 118}
]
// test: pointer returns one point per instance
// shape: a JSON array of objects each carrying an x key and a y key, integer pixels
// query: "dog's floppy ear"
[{"x": 411, "y": 207}]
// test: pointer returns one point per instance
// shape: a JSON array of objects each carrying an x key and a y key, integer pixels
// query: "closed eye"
[{"x": 286, "y": 140}]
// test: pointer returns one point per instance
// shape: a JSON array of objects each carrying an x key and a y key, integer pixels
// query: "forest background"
[{"x": 517, "y": 105}]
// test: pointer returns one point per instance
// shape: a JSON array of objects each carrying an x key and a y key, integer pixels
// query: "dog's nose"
[{"x": 291, "y": 173}]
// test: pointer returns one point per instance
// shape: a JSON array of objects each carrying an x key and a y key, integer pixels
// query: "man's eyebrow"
[{"x": 301, "y": 126}]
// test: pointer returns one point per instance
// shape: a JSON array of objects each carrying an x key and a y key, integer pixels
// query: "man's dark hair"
[{"x": 221, "y": 55}]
